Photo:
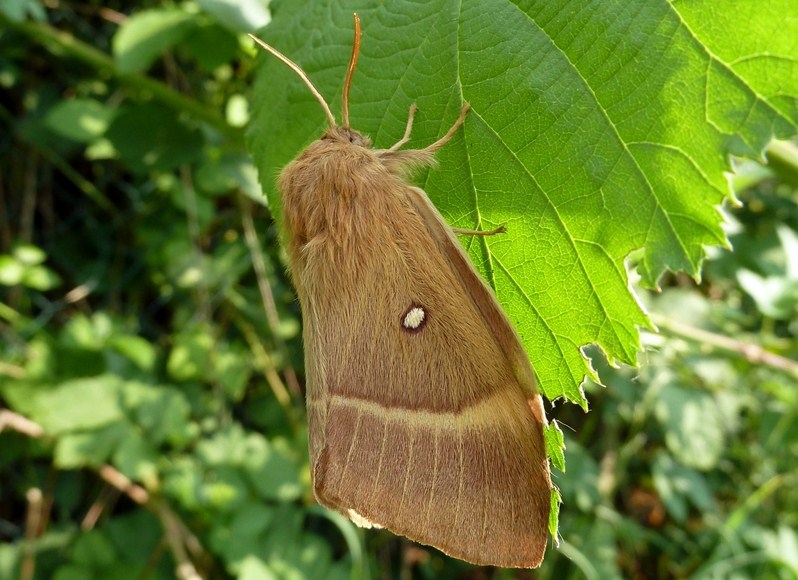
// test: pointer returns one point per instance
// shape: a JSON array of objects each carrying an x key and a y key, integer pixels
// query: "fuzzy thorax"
[{"x": 340, "y": 189}]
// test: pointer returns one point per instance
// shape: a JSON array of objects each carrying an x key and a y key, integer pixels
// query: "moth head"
[
  {"x": 336, "y": 131},
  {"x": 346, "y": 135}
]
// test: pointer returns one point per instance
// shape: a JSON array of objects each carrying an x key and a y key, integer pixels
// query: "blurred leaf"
[
  {"x": 93, "y": 549},
  {"x": 162, "y": 413},
  {"x": 166, "y": 144},
  {"x": 789, "y": 241},
  {"x": 40, "y": 278},
  {"x": 135, "y": 348},
  {"x": 238, "y": 15},
  {"x": 89, "y": 448},
  {"x": 677, "y": 485},
  {"x": 253, "y": 568},
  {"x": 212, "y": 45},
  {"x": 580, "y": 488},
  {"x": 782, "y": 546},
  {"x": 190, "y": 355},
  {"x": 81, "y": 120},
  {"x": 182, "y": 480},
  {"x": 25, "y": 267},
  {"x": 351, "y": 535},
  {"x": 82, "y": 332},
  {"x": 229, "y": 172},
  {"x": 73, "y": 572},
  {"x": 274, "y": 471},
  {"x": 693, "y": 425},
  {"x": 19, "y": 10},
  {"x": 143, "y": 37},
  {"x": 135, "y": 535},
  {"x": 75, "y": 405},
  {"x": 10, "y": 555},
  {"x": 244, "y": 534},
  {"x": 594, "y": 553},
  {"x": 237, "y": 111},
  {"x": 776, "y": 295},
  {"x": 225, "y": 489},
  {"x": 234, "y": 371},
  {"x": 136, "y": 457},
  {"x": 11, "y": 270},
  {"x": 29, "y": 255}
]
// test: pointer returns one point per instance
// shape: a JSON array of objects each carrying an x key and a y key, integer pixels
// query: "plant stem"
[{"x": 753, "y": 353}]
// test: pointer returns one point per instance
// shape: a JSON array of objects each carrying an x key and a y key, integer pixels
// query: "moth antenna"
[
  {"x": 296, "y": 68},
  {"x": 351, "y": 71}
]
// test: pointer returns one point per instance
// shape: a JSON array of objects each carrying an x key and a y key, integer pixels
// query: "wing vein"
[{"x": 349, "y": 453}]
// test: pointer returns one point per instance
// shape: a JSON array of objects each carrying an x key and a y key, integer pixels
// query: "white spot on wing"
[
  {"x": 414, "y": 318},
  {"x": 360, "y": 521}
]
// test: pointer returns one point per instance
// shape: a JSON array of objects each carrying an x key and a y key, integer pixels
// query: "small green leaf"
[
  {"x": 40, "y": 278},
  {"x": 29, "y": 255},
  {"x": 554, "y": 511},
  {"x": 11, "y": 270},
  {"x": 237, "y": 111},
  {"x": 190, "y": 356},
  {"x": 85, "y": 333},
  {"x": 81, "y": 120},
  {"x": 555, "y": 445},
  {"x": 135, "y": 348}
]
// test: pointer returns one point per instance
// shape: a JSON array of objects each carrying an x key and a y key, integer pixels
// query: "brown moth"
[{"x": 423, "y": 410}]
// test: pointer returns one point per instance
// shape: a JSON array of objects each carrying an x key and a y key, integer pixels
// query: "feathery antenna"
[
  {"x": 296, "y": 68},
  {"x": 351, "y": 71}
]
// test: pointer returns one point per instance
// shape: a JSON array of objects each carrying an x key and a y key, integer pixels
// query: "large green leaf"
[{"x": 596, "y": 129}]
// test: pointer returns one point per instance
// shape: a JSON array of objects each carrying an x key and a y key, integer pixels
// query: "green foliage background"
[{"x": 151, "y": 413}]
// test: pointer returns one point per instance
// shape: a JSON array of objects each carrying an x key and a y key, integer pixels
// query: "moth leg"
[
  {"x": 464, "y": 232},
  {"x": 406, "y": 137},
  {"x": 450, "y": 133}
]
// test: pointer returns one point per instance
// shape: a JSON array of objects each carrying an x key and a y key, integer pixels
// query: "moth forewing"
[{"x": 423, "y": 413}]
